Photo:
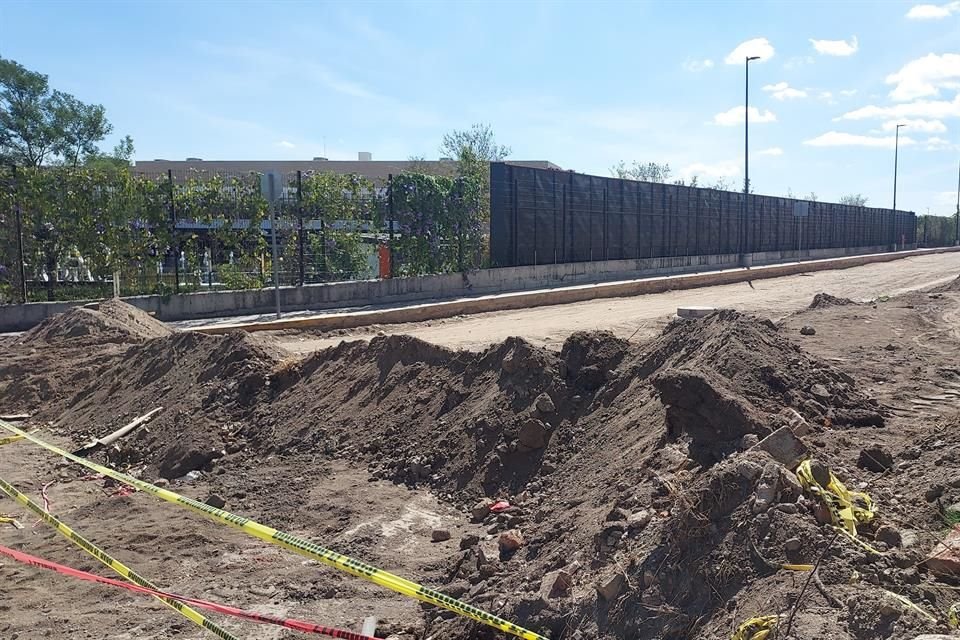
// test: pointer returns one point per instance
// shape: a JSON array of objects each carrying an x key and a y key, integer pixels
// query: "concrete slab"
[{"x": 695, "y": 312}]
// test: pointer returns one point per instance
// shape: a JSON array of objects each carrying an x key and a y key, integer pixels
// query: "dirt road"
[{"x": 643, "y": 316}]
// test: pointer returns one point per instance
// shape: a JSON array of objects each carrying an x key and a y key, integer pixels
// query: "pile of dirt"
[
  {"x": 730, "y": 375},
  {"x": 113, "y": 321},
  {"x": 627, "y": 467},
  {"x": 950, "y": 287},
  {"x": 822, "y": 300}
]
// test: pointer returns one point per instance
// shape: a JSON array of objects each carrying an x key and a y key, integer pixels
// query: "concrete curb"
[{"x": 563, "y": 295}]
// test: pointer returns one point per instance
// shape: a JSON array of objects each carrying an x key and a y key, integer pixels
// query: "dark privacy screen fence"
[{"x": 543, "y": 216}]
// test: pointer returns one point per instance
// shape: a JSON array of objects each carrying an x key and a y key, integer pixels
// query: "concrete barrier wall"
[{"x": 360, "y": 294}]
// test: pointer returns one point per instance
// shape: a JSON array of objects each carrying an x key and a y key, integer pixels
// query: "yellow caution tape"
[
  {"x": 10, "y": 439},
  {"x": 5, "y": 519},
  {"x": 756, "y": 628},
  {"x": 299, "y": 545},
  {"x": 953, "y": 615},
  {"x": 116, "y": 565},
  {"x": 798, "y": 567},
  {"x": 847, "y": 508},
  {"x": 906, "y": 602}
]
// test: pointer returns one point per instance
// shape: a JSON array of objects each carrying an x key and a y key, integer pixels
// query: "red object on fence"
[{"x": 383, "y": 253}]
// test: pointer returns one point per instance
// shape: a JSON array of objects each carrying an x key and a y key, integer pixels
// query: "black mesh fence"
[
  {"x": 543, "y": 216},
  {"x": 937, "y": 231}
]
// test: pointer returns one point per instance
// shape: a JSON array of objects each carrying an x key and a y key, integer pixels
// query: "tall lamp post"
[
  {"x": 746, "y": 159},
  {"x": 956, "y": 232},
  {"x": 896, "y": 151}
]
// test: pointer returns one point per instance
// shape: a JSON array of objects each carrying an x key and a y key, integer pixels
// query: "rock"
[
  {"x": 820, "y": 392},
  {"x": 533, "y": 434},
  {"x": 790, "y": 489},
  {"x": 945, "y": 559},
  {"x": 934, "y": 492},
  {"x": 440, "y": 535},
  {"x": 889, "y": 535},
  {"x": 639, "y": 520},
  {"x": 807, "y": 330},
  {"x": 891, "y": 347},
  {"x": 766, "y": 489},
  {"x": 875, "y": 458},
  {"x": 955, "y": 508},
  {"x": 510, "y": 540},
  {"x": 793, "y": 544},
  {"x": 788, "y": 507},
  {"x": 908, "y": 538},
  {"x": 181, "y": 460},
  {"x": 468, "y": 541},
  {"x": 481, "y": 509},
  {"x": 784, "y": 447},
  {"x": 215, "y": 501},
  {"x": 161, "y": 482},
  {"x": 510, "y": 363},
  {"x": 749, "y": 440},
  {"x": 554, "y": 584},
  {"x": 545, "y": 404},
  {"x": 748, "y": 470},
  {"x": 820, "y": 472},
  {"x": 795, "y": 421},
  {"x": 617, "y": 515},
  {"x": 610, "y": 587}
]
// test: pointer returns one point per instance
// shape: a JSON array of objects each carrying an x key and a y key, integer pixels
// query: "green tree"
[
  {"x": 81, "y": 127},
  {"x": 854, "y": 199},
  {"x": 28, "y": 128},
  {"x": 120, "y": 157},
  {"x": 643, "y": 171},
  {"x": 38, "y": 124},
  {"x": 474, "y": 149}
]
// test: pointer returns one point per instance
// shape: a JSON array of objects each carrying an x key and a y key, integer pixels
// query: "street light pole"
[
  {"x": 896, "y": 151},
  {"x": 744, "y": 250},
  {"x": 956, "y": 232}
]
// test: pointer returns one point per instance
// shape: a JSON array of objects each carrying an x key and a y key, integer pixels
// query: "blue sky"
[{"x": 583, "y": 84}]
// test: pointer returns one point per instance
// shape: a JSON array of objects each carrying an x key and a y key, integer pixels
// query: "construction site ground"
[{"x": 623, "y": 439}]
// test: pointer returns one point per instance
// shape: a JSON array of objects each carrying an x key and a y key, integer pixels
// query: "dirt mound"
[
  {"x": 952, "y": 286},
  {"x": 206, "y": 384},
  {"x": 729, "y": 375},
  {"x": 822, "y": 300},
  {"x": 113, "y": 321}
]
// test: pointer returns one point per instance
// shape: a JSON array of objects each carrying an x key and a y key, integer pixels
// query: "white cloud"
[
  {"x": 922, "y": 126},
  {"x": 935, "y": 143},
  {"x": 826, "y": 96},
  {"x": 783, "y": 91},
  {"x": 846, "y": 93},
  {"x": 757, "y": 47},
  {"x": 933, "y": 11},
  {"x": 841, "y": 139},
  {"x": 707, "y": 170},
  {"x": 772, "y": 151},
  {"x": 926, "y": 76},
  {"x": 836, "y": 47},
  {"x": 929, "y": 109},
  {"x": 695, "y": 66},
  {"x": 286, "y": 144},
  {"x": 733, "y": 117}
]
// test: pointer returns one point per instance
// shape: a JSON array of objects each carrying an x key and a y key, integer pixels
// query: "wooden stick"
[{"x": 107, "y": 440}]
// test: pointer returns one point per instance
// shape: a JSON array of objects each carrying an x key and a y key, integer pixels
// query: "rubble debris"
[{"x": 875, "y": 458}]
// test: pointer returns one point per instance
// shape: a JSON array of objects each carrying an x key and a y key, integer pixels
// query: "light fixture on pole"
[
  {"x": 896, "y": 151},
  {"x": 744, "y": 250}
]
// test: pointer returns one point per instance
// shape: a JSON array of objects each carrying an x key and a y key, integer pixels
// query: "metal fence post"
[
  {"x": 173, "y": 234},
  {"x": 20, "y": 259},
  {"x": 393, "y": 258},
  {"x": 276, "y": 261},
  {"x": 300, "y": 238}
]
